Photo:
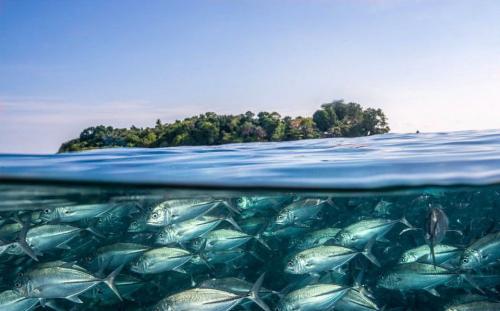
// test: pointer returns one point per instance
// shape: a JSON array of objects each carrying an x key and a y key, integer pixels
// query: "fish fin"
[
  {"x": 64, "y": 245},
  {"x": 110, "y": 281},
  {"x": 409, "y": 226},
  {"x": 95, "y": 232},
  {"x": 180, "y": 270},
  {"x": 256, "y": 256},
  {"x": 469, "y": 280},
  {"x": 330, "y": 202},
  {"x": 68, "y": 265},
  {"x": 261, "y": 241},
  {"x": 301, "y": 225},
  {"x": 432, "y": 291},
  {"x": 74, "y": 299},
  {"x": 233, "y": 222},
  {"x": 230, "y": 206},
  {"x": 23, "y": 244},
  {"x": 253, "y": 294},
  {"x": 383, "y": 240},
  {"x": 459, "y": 232},
  {"x": 367, "y": 252}
]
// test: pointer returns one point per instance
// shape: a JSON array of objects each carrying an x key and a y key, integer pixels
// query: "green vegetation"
[{"x": 336, "y": 119}]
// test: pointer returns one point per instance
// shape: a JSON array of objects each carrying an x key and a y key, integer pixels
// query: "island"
[{"x": 335, "y": 119}]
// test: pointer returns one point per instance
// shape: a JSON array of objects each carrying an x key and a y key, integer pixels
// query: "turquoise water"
[{"x": 331, "y": 223}]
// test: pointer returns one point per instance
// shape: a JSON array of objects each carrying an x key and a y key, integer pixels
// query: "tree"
[{"x": 331, "y": 120}]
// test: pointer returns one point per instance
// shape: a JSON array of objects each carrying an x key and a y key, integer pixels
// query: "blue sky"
[{"x": 67, "y": 65}]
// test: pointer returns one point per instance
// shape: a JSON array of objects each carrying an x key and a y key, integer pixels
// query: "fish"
[
  {"x": 253, "y": 205},
  {"x": 315, "y": 297},
  {"x": 236, "y": 286},
  {"x": 481, "y": 253},
  {"x": 209, "y": 299},
  {"x": 436, "y": 226},
  {"x": 315, "y": 238},
  {"x": 125, "y": 284},
  {"x": 300, "y": 212},
  {"x": 476, "y": 306},
  {"x": 11, "y": 300},
  {"x": 175, "y": 211},
  {"x": 219, "y": 257},
  {"x": 442, "y": 253},
  {"x": 118, "y": 254},
  {"x": 73, "y": 213},
  {"x": 358, "y": 234},
  {"x": 416, "y": 276},
  {"x": 190, "y": 229},
  {"x": 160, "y": 260},
  {"x": 225, "y": 239},
  {"x": 356, "y": 300},
  {"x": 62, "y": 282},
  {"x": 326, "y": 258}
]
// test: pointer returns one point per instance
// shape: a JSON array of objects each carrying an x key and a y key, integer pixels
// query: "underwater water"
[{"x": 396, "y": 222}]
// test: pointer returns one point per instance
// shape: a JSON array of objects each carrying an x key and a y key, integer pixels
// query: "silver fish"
[
  {"x": 190, "y": 229},
  {"x": 476, "y": 306},
  {"x": 356, "y": 300},
  {"x": 436, "y": 226},
  {"x": 115, "y": 255},
  {"x": 61, "y": 282},
  {"x": 209, "y": 299},
  {"x": 315, "y": 238},
  {"x": 442, "y": 254},
  {"x": 161, "y": 259},
  {"x": 175, "y": 211},
  {"x": 11, "y": 300},
  {"x": 481, "y": 253},
  {"x": 359, "y": 233},
  {"x": 72, "y": 213},
  {"x": 224, "y": 239},
  {"x": 416, "y": 276},
  {"x": 325, "y": 258},
  {"x": 313, "y": 298},
  {"x": 299, "y": 212}
]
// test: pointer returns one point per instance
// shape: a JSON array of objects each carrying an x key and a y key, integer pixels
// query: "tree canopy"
[{"x": 335, "y": 119}]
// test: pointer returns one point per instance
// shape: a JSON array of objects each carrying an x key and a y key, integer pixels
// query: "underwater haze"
[{"x": 390, "y": 222}]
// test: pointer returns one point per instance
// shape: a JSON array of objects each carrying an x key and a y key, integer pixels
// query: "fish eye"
[
  {"x": 17, "y": 285},
  {"x": 155, "y": 215},
  {"x": 46, "y": 211},
  {"x": 290, "y": 264},
  {"x": 465, "y": 260}
]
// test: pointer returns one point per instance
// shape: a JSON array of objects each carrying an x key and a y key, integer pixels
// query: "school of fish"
[{"x": 139, "y": 249}]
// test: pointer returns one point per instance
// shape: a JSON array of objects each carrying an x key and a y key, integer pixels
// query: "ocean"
[{"x": 387, "y": 222}]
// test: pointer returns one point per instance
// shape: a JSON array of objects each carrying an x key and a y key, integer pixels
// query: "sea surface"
[{"x": 388, "y": 222}]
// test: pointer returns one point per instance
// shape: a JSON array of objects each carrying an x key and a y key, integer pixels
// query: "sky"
[{"x": 67, "y": 65}]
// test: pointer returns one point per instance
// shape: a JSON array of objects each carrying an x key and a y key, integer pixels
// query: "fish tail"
[
  {"x": 110, "y": 281},
  {"x": 469, "y": 280},
  {"x": 233, "y": 222},
  {"x": 259, "y": 239},
  {"x": 21, "y": 240},
  {"x": 229, "y": 204},
  {"x": 367, "y": 252},
  {"x": 409, "y": 226},
  {"x": 433, "y": 254},
  {"x": 253, "y": 294},
  {"x": 95, "y": 232}
]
